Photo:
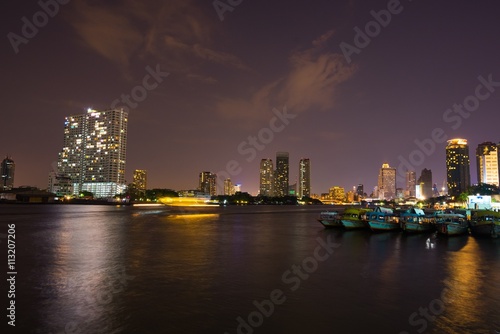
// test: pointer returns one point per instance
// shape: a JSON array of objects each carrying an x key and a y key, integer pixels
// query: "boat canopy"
[{"x": 382, "y": 209}]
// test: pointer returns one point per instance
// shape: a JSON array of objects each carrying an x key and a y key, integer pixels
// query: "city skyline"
[{"x": 209, "y": 94}]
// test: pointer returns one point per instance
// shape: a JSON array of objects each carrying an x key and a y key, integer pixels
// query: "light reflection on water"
[{"x": 150, "y": 270}]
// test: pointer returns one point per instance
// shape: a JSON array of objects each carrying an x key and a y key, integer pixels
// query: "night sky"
[{"x": 225, "y": 77}]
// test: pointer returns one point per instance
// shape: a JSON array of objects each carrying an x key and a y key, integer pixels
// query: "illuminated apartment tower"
[
  {"x": 266, "y": 177},
  {"x": 488, "y": 167},
  {"x": 281, "y": 174},
  {"x": 425, "y": 182},
  {"x": 140, "y": 181},
  {"x": 228, "y": 187},
  {"x": 457, "y": 166},
  {"x": 208, "y": 183},
  {"x": 411, "y": 182},
  {"x": 304, "y": 178},
  {"x": 94, "y": 152},
  {"x": 387, "y": 182},
  {"x": 7, "y": 170}
]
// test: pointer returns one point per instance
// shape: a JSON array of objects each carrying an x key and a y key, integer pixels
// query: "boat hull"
[
  {"x": 354, "y": 224},
  {"x": 377, "y": 226},
  {"x": 327, "y": 223},
  {"x": 452, "y": 229},
  {"x": 417, "y": 228},
  {"x": 485, "y": 229}
]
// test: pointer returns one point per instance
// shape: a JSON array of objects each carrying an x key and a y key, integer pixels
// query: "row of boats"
[{"x": 413, "y": 220}]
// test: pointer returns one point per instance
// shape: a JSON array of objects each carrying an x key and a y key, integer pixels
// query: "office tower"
[
  {"x": 281, "y": 174},
  {"x": 425, "y": 182},
  {"x": 228, "y": 187},
  {"x": 488, "y": 163},
  {"x": 266, "y": 178},
  {"x": 387, "y": 182},
  {"x": 304, "y": 178},
  {"x": 140, "y": 181},
  {"x": 94, "y": 152},
  {"x": 360, "y": 192},
  {"x": 411, "y": 182},
  {"x": 457, "y": 166},
  {"x": 208, "y": 183},
  {"x": 7, "y": 170}
]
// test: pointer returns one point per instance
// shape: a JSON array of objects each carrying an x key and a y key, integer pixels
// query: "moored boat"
[
  {"x": 485, "y": 223},
  {"x": 415, "y": 221},
  {"x": 354, "y": 218},
  {"x": 330, "y": 219},
  {"x": 383, "y": 219},
  {"x": 451, "y": 224}
]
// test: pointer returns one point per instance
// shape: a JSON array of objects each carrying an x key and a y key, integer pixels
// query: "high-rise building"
[
  {"x": 360, "y": 191},
  {"x": 488, "y": 163},
  {"x": 94, "y": 152},
  {"x": 337, "y": 194},
  {"x": 304, "y": 178},
  {"x": 266, "y": 178},
  {"x": 457, "y": 166},
  {"x": 228, "y": 187},
  {"x": 411, "y": 182},
  {"x": 140, "y": 181},
  {"x": 425, "y": 182},
  {"x": 7, "y": 170},
  {"x": 281, "y": 176},
  {"x": 208, "y": 183},
  {"x": 387, "y": 182}
]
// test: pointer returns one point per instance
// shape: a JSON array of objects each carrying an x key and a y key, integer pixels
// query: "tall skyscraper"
[
  {"x": 457, "y": 166},
  {"x": 488, "y": 163},
  {"x": 266, "y": 178},
  {"x": 411, "y": 182},
  {"x": 425, "y": 182},
  {"x": 140, "y": 181},
  {"x": 228, "y": 187},
  {"x": 387, "y": 182},
  {"x": 208, "y": 183},
  {"x": 7, "y": 170},
  {"x": 304, "y": 178},
  {"x": 94, "y": 152},
  {"x": 281, "y": 177}
]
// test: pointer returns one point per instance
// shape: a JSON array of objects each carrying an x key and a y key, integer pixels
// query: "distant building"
[
  {"x": 228, "y": 187},
  {"x": 292, "y": 189},
  {"x": 457, "y": 166},
  {"x": 140, "y": 181},
  {"x": 60, "y": 185},
  {"x": 425, "y": 182},
  {"x": 360, "y": 192},
  {"x": 266, "y": 177},
  {"x": 387, "y": 182},
  {"x": 7, "y": 170},
  {"x": 208, "y": 183},
  {"x": 488, "y": 163},
  {"x": 411, "y": 182},
  {"x": 337, "y": 194},
  {"x": 94, "y": 152},
  {"x": 281, "y": 174},
  {"x": 304, "y": 178}
]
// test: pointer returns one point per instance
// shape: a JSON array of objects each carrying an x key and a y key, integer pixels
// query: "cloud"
[{"x": 311, "y": 83}]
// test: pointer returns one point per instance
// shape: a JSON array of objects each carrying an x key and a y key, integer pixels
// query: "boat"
[
  {"x": 383, "y": 219},
  {"x": 485, "y": 223},
  {"x": 451, "y": 223},
  {"x": 330, "y": 219},
  {"x": 354, "y": 218},
  {"x": 415, "y": 221}
]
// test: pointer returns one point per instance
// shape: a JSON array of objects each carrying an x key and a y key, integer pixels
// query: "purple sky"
[{"x": 226, "y": 77}]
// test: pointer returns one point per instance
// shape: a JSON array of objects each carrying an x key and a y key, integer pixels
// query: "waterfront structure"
[
  {"x": 140, "y": 181},
  {"x": 425, "y": 182},
  {"x": 7, "y": 169},
  {"x": 387, "y": 182},
  {"x": 488, "y": 163},
  {"x": 94, "y": 152},
  {"x": 266, "y": 178},
  {"x": 304, "y": 178},
  {"x": 208, "y": 183},
  {"x": 411, "y": 182},
  {"x": 229, "y": 189},
  {"x": 457, "y": 166},
  {"x": 60, "y": 185},
  {"x": 281, "y": 174}
]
